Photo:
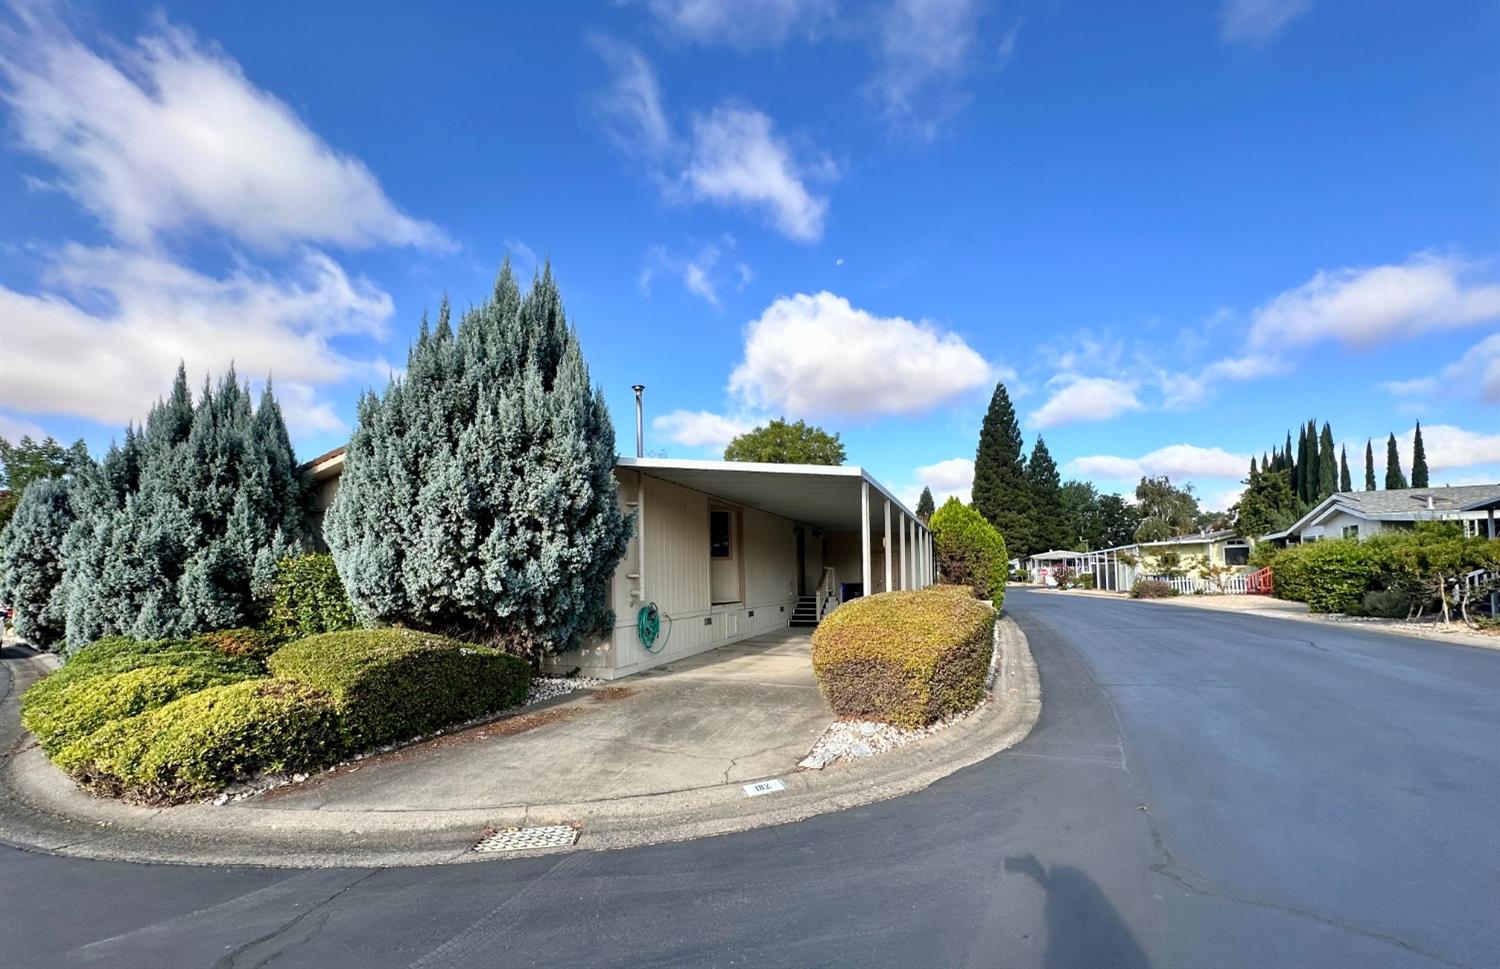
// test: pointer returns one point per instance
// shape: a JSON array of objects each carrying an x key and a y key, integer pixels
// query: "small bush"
[
  {"x": 1086, "y": 580},
  {"x": 1387, "y": 604},
  {"x": 1152, "y": 589},
  {"x": 388, "y": 684},
  {"x": 905, "y": 658},
  {"x": 969, "y": 551},
  {"x": 1064, "y": 576},
  {"x": 254, "y": 644},
  {"x": 84, "y": 704},
  {"x": 308, "y": 598},
  {"x": 197, "y": 744}
]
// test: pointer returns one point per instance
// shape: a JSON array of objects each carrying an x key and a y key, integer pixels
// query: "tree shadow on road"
[{"x": 1083, "y": 927}]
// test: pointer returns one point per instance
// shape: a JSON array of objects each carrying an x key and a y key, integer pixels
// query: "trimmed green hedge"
[
  {"x": 969, "y": 551},
  {"x": 1330, "y": 576},
  {"x": 197, "y": 744},
  {"x": 389, "y": 684},
  {"x": 905, "y": 658},
  {"x": 308, "y": 598},
  {"x": 83, "y": 704}
]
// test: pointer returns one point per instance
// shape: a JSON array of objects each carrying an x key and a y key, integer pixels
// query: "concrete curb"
[{"x": 41, "y": 809}]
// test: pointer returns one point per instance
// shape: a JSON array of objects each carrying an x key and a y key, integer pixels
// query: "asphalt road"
[{"x": 1203, "y": 788}]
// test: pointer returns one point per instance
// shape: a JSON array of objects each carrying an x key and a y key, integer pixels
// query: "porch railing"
[
  {"x": 828, "y": 592},
  {"x": 1259, "y": 582}
]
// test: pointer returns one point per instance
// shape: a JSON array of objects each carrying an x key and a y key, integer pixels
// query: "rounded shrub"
[
  {"x": 1152, "y": 589},
  {"x": 308, "y": 598},
  {"x": 201, "y": 742},
  {"x": 82, "y": 705},
  {"x": 389, "y": 684},
  {"x": 905, "y": 658},
  {"x": 970, "y": 552}
]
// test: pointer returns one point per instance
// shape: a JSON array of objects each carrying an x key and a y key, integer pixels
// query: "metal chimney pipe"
[{"x": 640, "y": 422}]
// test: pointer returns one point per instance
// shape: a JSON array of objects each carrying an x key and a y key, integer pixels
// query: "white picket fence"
[{"x": 1232, "y": 585}]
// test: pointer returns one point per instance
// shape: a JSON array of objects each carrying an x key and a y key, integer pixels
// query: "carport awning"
[{"x": 817, "y": 495}]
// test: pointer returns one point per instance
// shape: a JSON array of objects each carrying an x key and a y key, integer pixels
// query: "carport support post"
[
  {"x": 905, "y": 576},
  {"x": 886, "y": 555},
  {"x": 864, "y": 537}
]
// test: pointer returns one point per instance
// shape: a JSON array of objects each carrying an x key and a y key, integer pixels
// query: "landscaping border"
[{"x": 41, "y": 809}]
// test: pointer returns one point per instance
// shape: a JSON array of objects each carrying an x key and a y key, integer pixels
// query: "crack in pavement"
[{"x": 230, "y": 960}]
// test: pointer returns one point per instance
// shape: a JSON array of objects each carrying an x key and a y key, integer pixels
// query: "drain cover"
[{"x": 517, "y": 839}]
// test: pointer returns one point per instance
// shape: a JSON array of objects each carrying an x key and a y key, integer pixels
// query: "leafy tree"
[
  {"x": 1049, "y": 520},
  {"x": 31, "y": 563},
  {"x": 782, "y": 443},
  {"x": 969, "y": 551},
  {"x": 1118, "y": 521},
  {"x": 1345, "y": 484},
  {"x": 1394, "y": 479},
  {"x": 29, "y": 461},
  {"x": 1418, "y": 460},
  {"x": 1328, "y": 466},
  {"x": 925, "y": 505},
  {"x": 1369, "y": 466},
  {"x": 1000, "y": 491},
  {"x": 478, "y": 496},
  {"x": 1080, "y": 504},
  {"x": 1166, "y": 511}
]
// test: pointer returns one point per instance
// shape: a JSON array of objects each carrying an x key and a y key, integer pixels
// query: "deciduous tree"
[{"x": 780, "y": 442}]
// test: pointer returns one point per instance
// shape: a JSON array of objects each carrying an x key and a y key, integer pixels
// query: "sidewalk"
[{"x": 664, "y": 756}]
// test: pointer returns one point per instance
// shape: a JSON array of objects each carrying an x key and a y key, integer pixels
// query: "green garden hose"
[{"x": 648, "y": 627}]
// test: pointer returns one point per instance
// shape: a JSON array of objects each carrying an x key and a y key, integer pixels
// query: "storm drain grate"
[{"x": 518, "y": 839}]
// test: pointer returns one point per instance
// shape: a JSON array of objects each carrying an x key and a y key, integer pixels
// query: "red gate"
[{"x": 1258, "y": 583}]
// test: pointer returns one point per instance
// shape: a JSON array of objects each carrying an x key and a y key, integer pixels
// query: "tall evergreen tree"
[
  {"x": 1000, "y": 493},
  {"x": 1369, "y": 466},
  {"x": 1253, "y": 470},
  {"x": 1328, "y": 466},
  {"x": 925, "y": 505},
  {"x": 1418, "y": 460},
  {"x": 1314, "y": 466},
  {"x": 1394, "y": 479},
  {"x": 1345, "y": 484},
  {"x": 31, "y": 561},
  {"x": 478, "y": 495},
  {"x": 1300, "y": 468},
  {"x": 1049, "y": 519}
]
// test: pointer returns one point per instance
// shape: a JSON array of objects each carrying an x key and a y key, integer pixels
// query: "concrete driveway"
[{"x": 737, "y": 713}]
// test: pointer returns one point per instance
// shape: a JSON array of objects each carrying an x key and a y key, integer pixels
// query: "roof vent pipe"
[
  {"x": 1429, "y": 502},
  {"x": 640, "y": 423}
]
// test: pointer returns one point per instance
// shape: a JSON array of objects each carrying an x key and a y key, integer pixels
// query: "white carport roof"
[{"x": 823, "y": 496}]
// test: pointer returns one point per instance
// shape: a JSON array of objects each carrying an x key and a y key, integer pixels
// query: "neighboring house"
[
  {"x": 728, "y": 550},
  {"x": 1117, "y": 568},
  {"x": 1360, "y": 514}
]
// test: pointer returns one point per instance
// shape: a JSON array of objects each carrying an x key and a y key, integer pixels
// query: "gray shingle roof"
[{"x": 1403, "y": 501}]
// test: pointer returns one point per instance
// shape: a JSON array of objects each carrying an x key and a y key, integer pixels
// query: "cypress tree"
[
  {"x": 1418, "y": 460},
  {"x": 1314, "y": 466},
  {"x": 1345, "y": 485},
  {"x": 1049, "y": 520},
  {"x": 31, "y": 562},
  {"x": 1000, "y": 493},
  {"x": 1300, "y": 469},
  {"x": 478, "y": 495},
  {"x": 1328, "y": 467},
  {"x": 925, "y": 505},
  {"x": 1394, "y": 479},
  {"x": 1253, "y": 470},
  {"x": 1369, "y": 466}
]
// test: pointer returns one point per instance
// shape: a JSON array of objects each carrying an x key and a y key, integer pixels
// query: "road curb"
[{"x": 41, "y": 809}]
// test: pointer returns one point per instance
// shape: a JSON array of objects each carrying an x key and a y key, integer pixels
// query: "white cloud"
[
  {"x": 1180, "y": 390},
  {"x": 1257, "y": 21},
  {"x": 737, "y": 159},
  {"x": 632, "y": 107},
  {"x": 701, "y": 428},
  {"x": 13, "y": 429},
  {"x": 170, "y": 136},
  {"x": 1007, "y": 48},
  {"x": 947, "y": 479},
  {"x": 1365, "y": 307},
  {"x": 1174, "y": 461},
  {"x": 702, "y": 274},
  {"x": 105, "y": 350},
  {"x": 925, "y": 51},
  {"x": 745, "y": 24},
  {"x": 1476, "y": 373},
  {"x": 810, "y": 355},
  {"x": 1077, "y": 399},
  {"x": 1448, "y": 447}
]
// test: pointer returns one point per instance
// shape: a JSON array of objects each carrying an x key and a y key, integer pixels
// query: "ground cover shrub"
[
  {"x": 308, "y": 598},
  {"x": 255, "y": 644},
  {"x": 905, "y": 658},
  {"x": 388, "y": 684},
  {"x": 120, "y": 654},
  {"x": 82, "y": 705},
  {"x": 201, "y": 742},
  {"x": 1152, "y": 589},
  {"x": 969, "y": 551}
]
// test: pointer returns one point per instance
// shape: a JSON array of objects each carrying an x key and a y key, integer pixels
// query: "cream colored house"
[
  {"x": 727, "y": 550},
  {"x": 1117, "y": 568}
]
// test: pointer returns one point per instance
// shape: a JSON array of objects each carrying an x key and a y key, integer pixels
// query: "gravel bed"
[{"x": 542, "y": 688}]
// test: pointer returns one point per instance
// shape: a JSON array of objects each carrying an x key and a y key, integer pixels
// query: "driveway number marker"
[{"x": 764, "y": 787}]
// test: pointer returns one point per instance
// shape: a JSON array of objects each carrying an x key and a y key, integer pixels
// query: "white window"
[{"x": 1351, "y": 531}]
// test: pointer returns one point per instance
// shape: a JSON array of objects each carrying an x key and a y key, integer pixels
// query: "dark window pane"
[
  {"x": 1237, "y": 555},
  {"x": 718, "y": 534}
]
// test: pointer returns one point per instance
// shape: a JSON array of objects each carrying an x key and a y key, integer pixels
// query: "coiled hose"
[{"x": 648, "y": 627}]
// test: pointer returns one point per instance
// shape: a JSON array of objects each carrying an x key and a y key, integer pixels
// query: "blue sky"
[{"x": 1173, "y": 230}]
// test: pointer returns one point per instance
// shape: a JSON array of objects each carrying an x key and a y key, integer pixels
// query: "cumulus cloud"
[
  {"x": 953, "y": 478},
  {"x": 1257, "y": 21},
  {"x": 116, "y": 322},
  {"x": 1373, "y": 305},
  {"x": 1076, "y": 399},
  {"x": 701, "y": 428},
  {"x": 1448, "y": 446},
  {"x": 1174, "y": 461},
  {"x": 925, "y": 51},
  {"x": 170, "y": 136},
  {"x": 814, "y": 355},
  {"x": 744, "y": 25},
  {"x": 13, "y": 429},
  {"x": 1476, "y": 373}
]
